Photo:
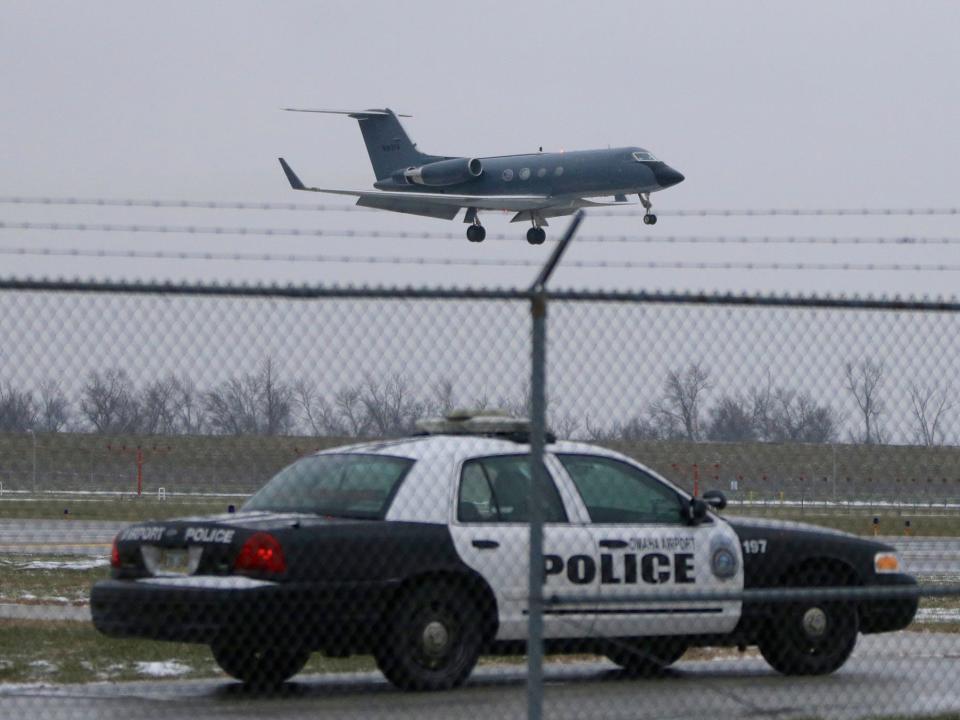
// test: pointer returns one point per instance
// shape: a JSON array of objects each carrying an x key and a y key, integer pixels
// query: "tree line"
[{"x": 688, "y": 407}]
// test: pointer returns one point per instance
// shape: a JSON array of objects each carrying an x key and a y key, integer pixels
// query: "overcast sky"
[{"x": 774, "y": 104}]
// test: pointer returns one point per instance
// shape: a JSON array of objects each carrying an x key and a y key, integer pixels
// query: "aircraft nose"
[{"x": 667, "y": 176}]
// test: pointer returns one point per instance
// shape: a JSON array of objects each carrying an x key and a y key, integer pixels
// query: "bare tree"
[
  {"x": 351, "y": 410},
  {"x": 18, "y": 412},
  {"x": 682, "y": 397},
  {"x": 565, "y": 425},
  {"x": 276, "y": 401},
  {"x": 391, "y": 407},
  {"x": 763, "y": 400},
  {"x": 444, "y": 398},
  {"x": 109, "y": 402},
  {"x": 865, "y": 383},
  {"x": 798, "y": 418},
  {"x": 319, "y": 416},
  {"x": 253, "y": 404},
  {"x": 54, "y": 413},
  {"x": 188, "y": 407},
  {"x": 635, "y": 428},
  {"x": 157, "y": 407},
  {"x": 732, "y": 420},
  {"x": 930, "y": 403}
]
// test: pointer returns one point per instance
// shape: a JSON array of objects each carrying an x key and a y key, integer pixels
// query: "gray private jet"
[{"x": 536, "y": 186}]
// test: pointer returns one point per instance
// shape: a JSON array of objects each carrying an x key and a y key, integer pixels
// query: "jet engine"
[{"x": 445, "y": 172}]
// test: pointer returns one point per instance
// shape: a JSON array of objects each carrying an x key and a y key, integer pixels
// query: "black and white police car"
[{"x": 416, "y": 550}]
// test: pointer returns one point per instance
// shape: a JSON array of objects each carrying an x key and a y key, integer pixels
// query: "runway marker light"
[
  {"x": 876, "y": 526},
  {"x": 261, "y": 553}
]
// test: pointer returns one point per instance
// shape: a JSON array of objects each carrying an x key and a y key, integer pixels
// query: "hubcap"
[
  {"x": 435, "y": 639},
  {"x": 815, "y": 622}
]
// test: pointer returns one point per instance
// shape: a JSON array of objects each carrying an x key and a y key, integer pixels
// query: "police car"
[{"x": 416, "y": 550}]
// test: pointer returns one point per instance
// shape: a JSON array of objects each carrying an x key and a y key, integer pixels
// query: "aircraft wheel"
[
  {"x": 536, "y": 236},
  {"x": 649, "y": 219},
  {"x": 476, "y": 233}
]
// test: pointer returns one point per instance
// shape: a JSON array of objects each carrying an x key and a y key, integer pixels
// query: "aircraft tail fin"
[{"x": 388, "y": 145}]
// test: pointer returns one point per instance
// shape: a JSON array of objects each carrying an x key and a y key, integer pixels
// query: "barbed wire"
[
  {"x": 509, "y": 237},
  {"x": 339, "y": 207},
  {"x": 476, "y": 262}
]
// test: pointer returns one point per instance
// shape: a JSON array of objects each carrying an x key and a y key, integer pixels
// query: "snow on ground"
[
  {"x": 89, "y": 564},
  {"x": 165, "y": 668}
]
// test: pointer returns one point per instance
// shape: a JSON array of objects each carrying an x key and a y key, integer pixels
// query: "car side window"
[
  {"x": 615, "y": 492},
  {"x": 497, "y": 489}
]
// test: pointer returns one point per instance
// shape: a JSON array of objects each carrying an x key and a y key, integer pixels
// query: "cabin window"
[
  {"x": 508, "y": 174},
  {"x": 559, "y": 171},
  {"x": 644, "y": 156},
  {"x": 541, "y": 172},
  {"x": 524, "y": 173}
]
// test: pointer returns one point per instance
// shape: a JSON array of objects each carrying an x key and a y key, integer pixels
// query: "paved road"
[
  {"x": 890, "y": 674},
  {"x": 57, "y": 537}
]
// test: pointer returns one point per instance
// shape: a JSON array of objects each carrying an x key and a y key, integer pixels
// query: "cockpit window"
[{"x": 644, "y": 156}]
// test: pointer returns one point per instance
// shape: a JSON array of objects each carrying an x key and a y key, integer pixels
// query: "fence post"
[{"x": 538, "y": 432}]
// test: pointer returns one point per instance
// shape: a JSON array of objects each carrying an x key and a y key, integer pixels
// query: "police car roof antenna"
[{"x": 538, "y": 406}]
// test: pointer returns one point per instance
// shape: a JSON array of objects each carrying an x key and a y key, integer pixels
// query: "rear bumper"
[{"x": 209, "y": 610}]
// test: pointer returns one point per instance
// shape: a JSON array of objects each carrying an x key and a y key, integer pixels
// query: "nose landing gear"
[{"x": 649, "y": 218}]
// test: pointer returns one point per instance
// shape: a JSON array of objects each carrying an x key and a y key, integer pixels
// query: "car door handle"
[
  {"x": 486, "y": 544},
  {"x": 613, "y": 544}
]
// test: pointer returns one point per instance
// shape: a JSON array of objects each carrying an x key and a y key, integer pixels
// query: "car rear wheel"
[
  {"x": 811, "y": 638},
  {"x": 260, "y": 667},
  {"x": 432, "y": 638},
  {"x": 645, "y": 656}
]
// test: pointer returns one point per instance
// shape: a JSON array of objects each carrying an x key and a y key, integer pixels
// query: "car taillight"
[
  {"x": 115, "y": 554},
  {"x": 261, "y": 553}
]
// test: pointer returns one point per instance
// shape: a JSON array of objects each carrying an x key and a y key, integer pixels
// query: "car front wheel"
[
  {"x": 811, "y": 638},
  {"x": 432, "y": 638}
]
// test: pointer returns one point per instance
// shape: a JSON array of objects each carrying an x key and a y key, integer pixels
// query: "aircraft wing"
[{"x": 433, "y": 204}]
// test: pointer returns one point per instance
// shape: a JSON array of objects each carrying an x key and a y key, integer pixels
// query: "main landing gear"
[
  {"x": 536, "y": 235},
  {"x": 649, "y": 218},
  {"x": 476, "y": 232}
]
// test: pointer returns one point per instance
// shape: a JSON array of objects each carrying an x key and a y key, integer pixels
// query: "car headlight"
[
  {"x": 886, "y": 563},
  {"x": 724, "y": 563}
]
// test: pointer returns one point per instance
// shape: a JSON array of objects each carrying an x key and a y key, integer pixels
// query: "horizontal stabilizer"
[{"x": 351, "y": 113}]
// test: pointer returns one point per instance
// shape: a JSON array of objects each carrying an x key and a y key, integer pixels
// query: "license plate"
[{"x": 174, "y": 561}]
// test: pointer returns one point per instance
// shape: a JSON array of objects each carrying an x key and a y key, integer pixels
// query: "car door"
[
  {"x": 490, "y": 529},
  {"x": 646, "y": 548}
]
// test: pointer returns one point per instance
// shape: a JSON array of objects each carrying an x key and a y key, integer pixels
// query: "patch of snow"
[
  {"x": 65, "y": 564},
  {"x": 44, "y": 666},
  {"x": 165, "y": 668}
]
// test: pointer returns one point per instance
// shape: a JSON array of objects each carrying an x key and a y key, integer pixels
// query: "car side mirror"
[
  {"x": 695, "y": 511},
  {"x": 715, "y": 499}
]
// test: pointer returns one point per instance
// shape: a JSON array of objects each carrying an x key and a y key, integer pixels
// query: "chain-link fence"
[{"x": 402, "y": 550}]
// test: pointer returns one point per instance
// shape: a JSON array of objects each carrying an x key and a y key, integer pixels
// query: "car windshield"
[
  {"x": 644, "y": 156},
  {"x": 338, "y": 485}
]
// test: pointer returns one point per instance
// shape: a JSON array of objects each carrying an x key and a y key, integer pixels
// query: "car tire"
[
  {"x": 431, "y": 638},
  {"x": 811, "y": 638},
  {"x": 643, "y": 657},
  {"x": 264, "y": 667}
]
